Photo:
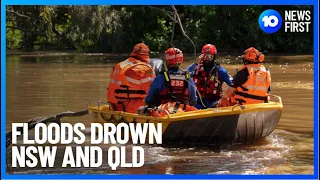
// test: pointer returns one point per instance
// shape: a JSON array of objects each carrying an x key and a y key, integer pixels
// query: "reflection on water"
[{"x": 44, "y": 85}]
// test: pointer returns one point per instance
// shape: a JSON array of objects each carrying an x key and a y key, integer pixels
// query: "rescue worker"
[
  {"x": 173, "y": 86},
  {"x": 251, "y": 84},
  {"x": 130, "y": 80},
  {"x": 209, "y": 77}
]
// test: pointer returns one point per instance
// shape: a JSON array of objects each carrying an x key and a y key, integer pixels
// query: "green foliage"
[
  {"x": 13, "y": 36},
  {"x": 117, "y": 28}
]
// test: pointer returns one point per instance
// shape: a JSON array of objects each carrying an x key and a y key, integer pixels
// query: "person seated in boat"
[
  {"x": 209, "y": 77},
  {"x": 173, "y": 85},
  {"x": 251, "y": 84},
  {"x": 130, "y": 80}
]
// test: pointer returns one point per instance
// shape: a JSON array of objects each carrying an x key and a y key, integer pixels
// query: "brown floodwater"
[{"x": 42, "y": 85}]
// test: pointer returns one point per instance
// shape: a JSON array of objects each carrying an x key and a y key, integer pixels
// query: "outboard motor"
[{"x": 157, "y": 65}]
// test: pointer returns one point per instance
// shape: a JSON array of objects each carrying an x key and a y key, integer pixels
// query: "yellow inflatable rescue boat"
[{"x": 216, "y": 126}]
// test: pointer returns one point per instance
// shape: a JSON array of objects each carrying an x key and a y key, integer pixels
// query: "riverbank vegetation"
[{"x": 115, "y": 29}]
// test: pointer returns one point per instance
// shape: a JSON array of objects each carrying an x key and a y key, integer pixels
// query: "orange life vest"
[
  {"x": 163, "y": 109},
  {"x": 255, "y": 90},
  {"x": 124, "y": 87}
]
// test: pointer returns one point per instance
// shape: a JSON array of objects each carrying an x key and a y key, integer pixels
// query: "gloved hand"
[
  {"x": 142, "y": 110},
  {"x": 215, "y": 104},
  {"x": 268, "y": 98},
  {"x": 200, "y": 58},
  {"x": 223, "y": 102}
]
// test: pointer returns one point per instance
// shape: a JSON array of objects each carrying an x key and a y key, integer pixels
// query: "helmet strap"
[
  {"x": 170, "y": 66},
  {"x": 245, "y": 62},
  {"x": 136, "y": 57}
]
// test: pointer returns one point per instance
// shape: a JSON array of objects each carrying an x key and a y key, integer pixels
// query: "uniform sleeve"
[
  {"x": 224, "y": 76},
  {"x": 154, "y": 89},
  {"x": 192, "y": 92},
  {"x": 192, "y": 68},
  {"x": 240, "y": 78}
]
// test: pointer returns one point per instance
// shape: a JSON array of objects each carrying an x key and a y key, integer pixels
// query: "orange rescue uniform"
[
  {"x": 129, "y": 83},
  {"x": 255, "y": 90}
]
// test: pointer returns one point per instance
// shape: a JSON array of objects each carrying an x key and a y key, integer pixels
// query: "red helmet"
[
  {"x": 208, "y": 53},
  {"x": 173, "y": 56},
  {"x": 253, "y": 55},
  {"x": 141, "y": 51},
  {"x": 209, "y": 49}
]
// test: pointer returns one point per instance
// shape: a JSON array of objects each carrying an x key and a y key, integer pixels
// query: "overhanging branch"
[
  {"x": 168, "y": 13},
  {"x": 20, "y": 15},
  {"x": 183, "y": 32}
]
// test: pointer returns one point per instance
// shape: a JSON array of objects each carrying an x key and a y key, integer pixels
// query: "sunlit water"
[{"x": 46, "y": 85}]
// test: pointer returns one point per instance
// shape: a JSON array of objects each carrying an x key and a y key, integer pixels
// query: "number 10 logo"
[{"x": 270, "y": 21}]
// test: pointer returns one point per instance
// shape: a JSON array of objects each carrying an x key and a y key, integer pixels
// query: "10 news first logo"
[{"x": 270, "y": 21}]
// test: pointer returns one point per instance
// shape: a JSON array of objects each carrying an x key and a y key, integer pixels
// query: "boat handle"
[
  {"x": 98, "y": 103},
  {"x": 278, "y": 97},
  {"x": 110, "y": 107}
]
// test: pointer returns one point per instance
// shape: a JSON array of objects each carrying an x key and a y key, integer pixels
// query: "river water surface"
[{"x": 42, "y": 85}]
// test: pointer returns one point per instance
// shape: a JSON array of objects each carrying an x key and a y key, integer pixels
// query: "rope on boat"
[{"x": 238, "y": 105}]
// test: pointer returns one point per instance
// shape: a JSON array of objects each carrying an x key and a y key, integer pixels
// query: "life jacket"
[
  {"x": 122, "y": 87},
  {"x": 208, "y": 84},
  {"x": 255, "y": 90},
  {"x": 167, "y": 108},
  {"x": 176, "y": 88}
]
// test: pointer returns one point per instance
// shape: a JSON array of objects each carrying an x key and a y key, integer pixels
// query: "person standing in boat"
[
  {"x": 251, "y": 84},
  {"x": 209, "y": 76},
  {"x": 173, "y": 85},
  {"x": 130, "y": 80}
]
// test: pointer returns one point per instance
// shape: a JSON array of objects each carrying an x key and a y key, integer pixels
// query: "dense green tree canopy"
[{"x": 117, "y": 28}]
